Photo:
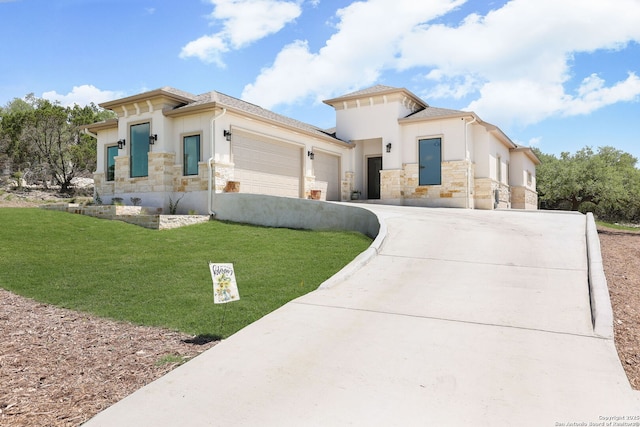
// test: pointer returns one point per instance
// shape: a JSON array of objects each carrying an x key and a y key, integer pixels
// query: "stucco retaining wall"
[{"x": 287, "y": 212}]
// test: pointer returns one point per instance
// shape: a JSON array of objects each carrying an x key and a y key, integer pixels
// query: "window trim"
[
  {"x": 106, "y": 161},
  {"x": 182, "y": 138},
  {"x": 130, "y": 145},
  {"x": 422, "y": 138}
]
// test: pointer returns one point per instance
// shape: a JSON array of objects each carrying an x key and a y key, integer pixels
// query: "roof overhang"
[
  {"x": 175, "y": 96},
  {"x": 103, "y": 125},
  {"x": 454, "y": 115},
  {"x": 387, "y": 93},
  {"x": 529, "y": 153}
]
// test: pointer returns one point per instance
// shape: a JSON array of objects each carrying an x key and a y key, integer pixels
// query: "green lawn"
[{"x": 161, "y": 278}]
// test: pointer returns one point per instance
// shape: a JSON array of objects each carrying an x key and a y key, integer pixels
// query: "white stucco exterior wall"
[
  {"x": 105, "y": 138},
  {"x": 522, "y": 166},
  {"x": 452, "y": 132}
]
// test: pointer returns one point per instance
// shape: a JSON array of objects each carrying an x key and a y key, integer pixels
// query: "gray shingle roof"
[
  {"x": 177, "y": 92},
  {"x": 371, "y": 90},
  {"x": 433, "y": 112},
  {"x": 224, "y": 100}
]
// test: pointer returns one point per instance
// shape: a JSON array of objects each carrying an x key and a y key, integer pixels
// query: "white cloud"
[
  {"x": 592, "y": 94},
  {"x": 83, "y": 95},
  {"x": 519, "y": 56},
  {"x": 364, "y": 45},
  {"x": 208, "y": 49},
  {"x": 243, "y": 22},
  {"x": 514, "y": 62}
]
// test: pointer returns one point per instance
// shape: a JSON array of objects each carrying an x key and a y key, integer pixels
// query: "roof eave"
[
  {"x": 529, "y": 153},
  {"x": 462, "y": 114},
  {"x": 105, "y": 124},
  {"x": 341, "y": 99},
  {"x": 110, "y": 105}
]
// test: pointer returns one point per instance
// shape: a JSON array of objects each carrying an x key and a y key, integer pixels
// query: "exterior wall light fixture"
[
  {"x": 388, "y": 147},
  {"x": 121, "y": 144},
  {"x": 310, "y": 154},
  {"x": 153, "y": 138},
  {"x": 227, "y": 134}
]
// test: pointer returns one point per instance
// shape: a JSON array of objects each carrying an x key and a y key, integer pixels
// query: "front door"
[
  {"x": 430, "y": 161},
  {"x": 374, "y": 166}
]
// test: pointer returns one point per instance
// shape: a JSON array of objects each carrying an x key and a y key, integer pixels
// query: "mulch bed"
[
  {"x": 60, "y": 368},
  {"x": 621, "y": 259}
]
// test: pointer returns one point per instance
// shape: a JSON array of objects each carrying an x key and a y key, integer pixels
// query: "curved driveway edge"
[
  {"x": 462, "y": 318},
  {"x": 601, "y": 311}
]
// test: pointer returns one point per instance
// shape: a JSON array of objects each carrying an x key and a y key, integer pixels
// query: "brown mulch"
[
  {"x": 59, "y": 367},
  {"x": 621, "y": 259}
]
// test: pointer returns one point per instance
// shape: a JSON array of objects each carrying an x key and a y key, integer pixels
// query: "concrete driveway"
[{"x": 462, "y": 318}]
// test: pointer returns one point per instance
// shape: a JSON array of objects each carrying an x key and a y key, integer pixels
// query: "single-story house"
[{"x": 388, "y": 145}]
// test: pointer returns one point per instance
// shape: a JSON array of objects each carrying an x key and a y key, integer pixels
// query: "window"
[
  {"x": 508, "y": 174},
  {"x": 112, "y": 152},
  {"x": 191, "y": 154},
  {"x": 140, "y": 149},
  {"x": 430, "y": 160},
  {"x": 499, "y": 168},
  {"x": 529, "y": 179}
]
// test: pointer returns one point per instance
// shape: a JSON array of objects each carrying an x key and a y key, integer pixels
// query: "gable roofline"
[
  {"x": 529, "y": 153},
  {"x": 163, "y": 92},
  {"x": 188, "y": 103},
  {"x": 214, "y": 99},
  {"x": 436, "y": 113},
  {"x": 373, "y": 91}
]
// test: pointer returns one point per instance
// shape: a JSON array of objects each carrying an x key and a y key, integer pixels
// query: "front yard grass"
[{"x": 161, "y": 278}]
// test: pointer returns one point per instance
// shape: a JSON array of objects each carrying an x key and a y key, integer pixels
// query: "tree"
[
  {"x": 45, "y": 139},
  {"x": 606, "y": 183}
]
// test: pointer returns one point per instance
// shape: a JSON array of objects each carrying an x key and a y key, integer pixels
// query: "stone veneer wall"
[
  {"x": 523, "y": 198},
  {"x": 347, "y": 185},
  {"x": 403, "y": 184},
  {"x": 165, "y": 176},
  {"x": 485, "y": 197}
]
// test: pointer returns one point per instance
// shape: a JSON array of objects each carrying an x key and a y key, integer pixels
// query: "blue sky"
[{"x": 555, "y": 74}]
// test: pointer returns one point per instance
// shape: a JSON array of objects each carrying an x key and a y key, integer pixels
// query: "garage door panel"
[
  {"x": 326, "y": 168},
  {"x": 265, "y": 166}
]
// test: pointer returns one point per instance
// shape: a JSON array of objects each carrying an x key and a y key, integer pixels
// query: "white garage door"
[
  {"x": 266, "y": 166},
  {"x": 326, "y": 168}
]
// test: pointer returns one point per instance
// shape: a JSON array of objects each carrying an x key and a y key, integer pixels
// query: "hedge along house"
[{"x": 388, "y": 145}]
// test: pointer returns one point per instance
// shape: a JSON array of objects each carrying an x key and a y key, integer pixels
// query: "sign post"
[{"x": 225, "y": 288}]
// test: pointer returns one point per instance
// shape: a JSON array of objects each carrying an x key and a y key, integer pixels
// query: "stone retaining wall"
[{"x": 146, "y": 217}]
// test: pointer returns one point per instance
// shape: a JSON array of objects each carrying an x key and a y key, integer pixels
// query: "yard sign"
[{"x": 225, "y": 288}]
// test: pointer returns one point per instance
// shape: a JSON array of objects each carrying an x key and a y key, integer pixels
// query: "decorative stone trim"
[{"x": 404, "y": 184}]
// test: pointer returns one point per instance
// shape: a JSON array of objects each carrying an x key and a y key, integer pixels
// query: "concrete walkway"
[{"x": 464, "y": 318}]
